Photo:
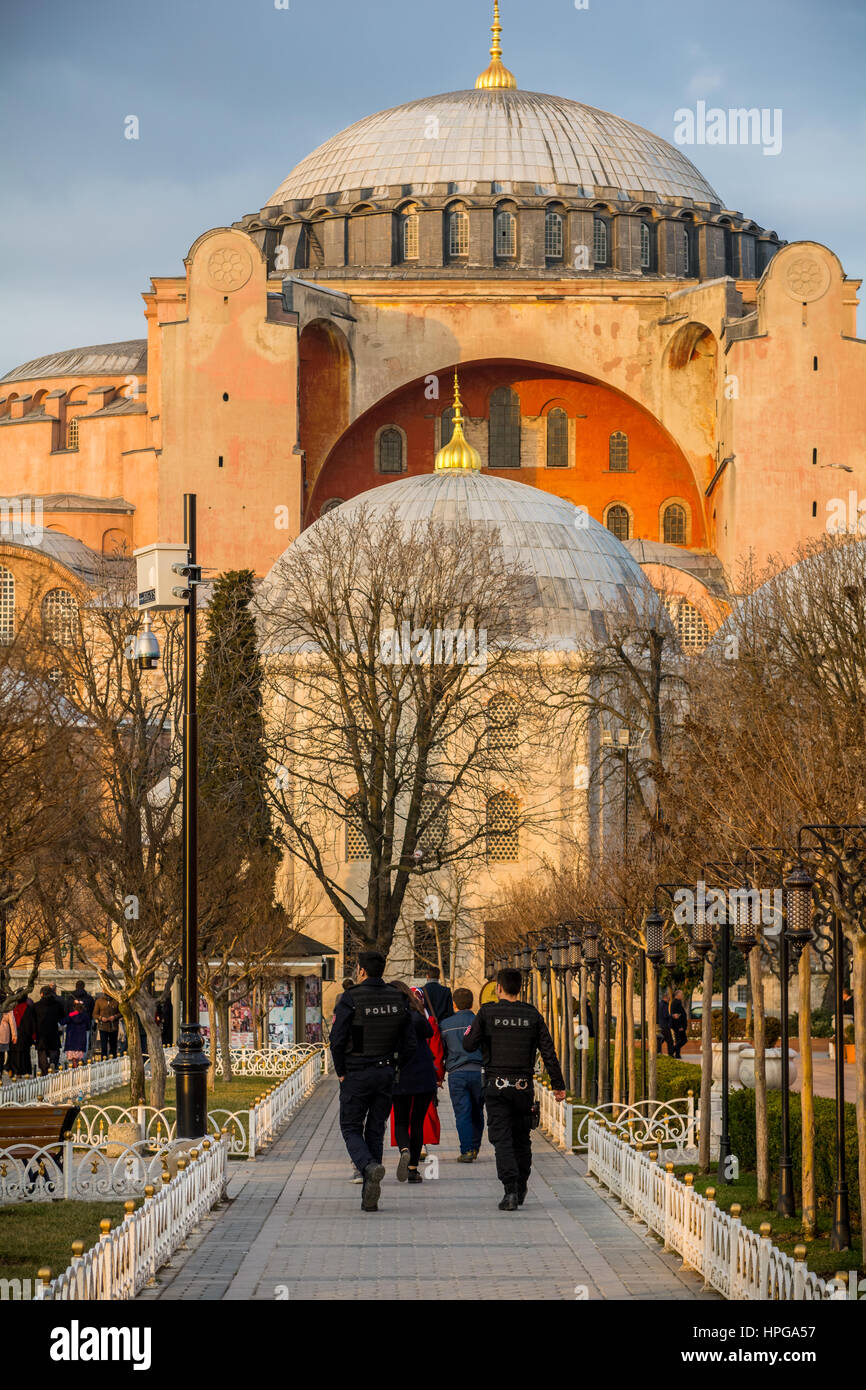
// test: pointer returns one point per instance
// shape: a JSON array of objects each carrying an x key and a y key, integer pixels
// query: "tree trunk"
[
  {"x": 584, "y": 1041},
  {"x": 858, "y": 942},
  {"x": 133, "y": 1048},
  {"x": 225, "y": 1036},
  {"x": 212, "y": 1027},
  {"x": 156, "y": 1051},
  {"x": 603, "y": 1052},
  {"x": 762, "y": 1148},
  {"x": 807, "y": 1103},
  {"x": 652, "y": 1029},
  {"x": 618, "y": 1044},
  {"x": 631, "y": 1092},
  {"x": 706, "y": 1065}
]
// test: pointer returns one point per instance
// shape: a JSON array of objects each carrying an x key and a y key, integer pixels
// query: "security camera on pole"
[{"x": 157, "y": 569}]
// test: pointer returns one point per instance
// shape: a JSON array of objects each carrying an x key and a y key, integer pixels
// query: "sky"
[{"x": 229, "y": 95}]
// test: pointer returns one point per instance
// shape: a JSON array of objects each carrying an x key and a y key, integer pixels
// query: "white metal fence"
[
  {"x": 738, "y": 1262},
  {"x": 247, "y": 1131},
  {"x": 128, "y": 1257},
  {"x": 672, "y": 1124}
]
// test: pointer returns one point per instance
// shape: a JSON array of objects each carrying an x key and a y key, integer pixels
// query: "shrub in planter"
[
  {"x": 822, "y": 1024},
  {"x": 772, "y": 1030},
  {"x": 741, "y": 1114},
  {"x": 736, "y": 1026}
]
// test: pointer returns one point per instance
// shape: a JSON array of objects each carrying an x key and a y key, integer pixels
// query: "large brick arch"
[{"x": 658, "y": 468}]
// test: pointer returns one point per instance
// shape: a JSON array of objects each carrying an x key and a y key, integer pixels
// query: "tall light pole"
[{"x": 154, "y": 564}]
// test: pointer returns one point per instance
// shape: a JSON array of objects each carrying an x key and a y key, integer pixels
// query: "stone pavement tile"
[{"x": 294, "y": 1229}]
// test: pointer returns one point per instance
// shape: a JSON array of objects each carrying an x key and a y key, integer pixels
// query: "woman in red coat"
[{"x": 414, "y": 1117}]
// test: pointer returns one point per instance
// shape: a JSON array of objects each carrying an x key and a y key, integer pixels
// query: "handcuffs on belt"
[{"x": 502, "y": 1082}]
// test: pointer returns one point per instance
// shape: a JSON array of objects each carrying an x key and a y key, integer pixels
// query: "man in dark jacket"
[
  {"x": 439, "y": 995},
  {"x": 371, "y": 1030},
  {"x": 509, "y": 1033},
  {"x": 50, "y": 1014}
]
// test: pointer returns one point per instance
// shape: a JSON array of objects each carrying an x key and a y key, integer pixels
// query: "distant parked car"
[{"x": 738, "y": 1009}]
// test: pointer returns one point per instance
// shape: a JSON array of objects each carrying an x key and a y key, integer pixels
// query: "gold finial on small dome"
[
  {"x": 458, "y": 453},
  {"x": 497, "y": 75}
]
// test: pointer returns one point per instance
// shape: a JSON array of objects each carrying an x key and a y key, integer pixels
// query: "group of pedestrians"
[
  {"x": 54, "y": 1024},
  {"x": 673, "y": 1024},
  {"x": 394, "y": 1045}
]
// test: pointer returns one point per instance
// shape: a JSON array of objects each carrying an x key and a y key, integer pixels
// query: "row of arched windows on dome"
[
  {"x": 59, "y": 613},
  {"x": 505, "y": 237}
]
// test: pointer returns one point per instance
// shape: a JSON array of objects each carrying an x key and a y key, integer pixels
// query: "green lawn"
[
  {"x": 787, "y": 1231},
  {"x": 238, "y": 1094},
  {"x": 38, "y": 1234}
]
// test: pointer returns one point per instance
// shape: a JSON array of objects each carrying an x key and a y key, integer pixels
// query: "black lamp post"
[
  {"x": 559, "y": 963},
  {"x": 654, "y": 926},
  {"x": 590, "y": 956},
  {"x": 796, "y": 933},
  {"x": 542, "y": 965},
  {"x": 574, "y": 966}
]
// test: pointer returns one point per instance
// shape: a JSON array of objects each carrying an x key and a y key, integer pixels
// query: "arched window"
[
  {"x": 114, "y": 542},
  {"x": 506, "y": 233},
  {"x": 557, "y": 439},
  {"x": 503, "y": 723},
  {"x": 618, "y": 452},
  {"x": 7, "y": 607},
  {"x": 674, "y": 524},
  {"x": 433, "y": 825},
  {"x": 599, "y": 241},
  {"x": 59, "y": 615},
  {"x": 687, "y": 268},
  {"x": 409, "y": 235},
  {"x": 645, "y": 257},
  {"x": 458, "y": 232},
  {"x": 356, "y": 841},
  {"x": 504, "y": 432},
  {"x": 329, "y": 506},
  {"x": 553, "y": 238},
  {"x": 503, "y": 833},
  {"x": 691, "y": 627},
  {"x": 72, "y": 434},
  {"x": 390, "y": 451},
  {"x": 618, "y": 521}
]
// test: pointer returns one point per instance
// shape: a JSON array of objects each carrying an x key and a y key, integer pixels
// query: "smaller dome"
[{"x": 458, "y": 452}]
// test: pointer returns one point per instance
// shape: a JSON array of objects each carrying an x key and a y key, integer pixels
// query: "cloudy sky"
[{"x": 231, "y": 94}]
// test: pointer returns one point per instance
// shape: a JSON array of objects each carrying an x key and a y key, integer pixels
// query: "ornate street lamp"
[
  {"x": 590, "y": 956},
  {"x": 796, "y": 933}
]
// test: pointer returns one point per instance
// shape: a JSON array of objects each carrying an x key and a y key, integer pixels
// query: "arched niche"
[{"x": 325, "y": 368}]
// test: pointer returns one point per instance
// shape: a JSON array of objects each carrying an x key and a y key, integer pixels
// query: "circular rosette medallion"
[
  {"x": 229, "y": 267},
  {"x": 807, "y": 278}
]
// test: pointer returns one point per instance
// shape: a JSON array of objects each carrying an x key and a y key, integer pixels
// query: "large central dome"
[{"x": 501, "y": 137}]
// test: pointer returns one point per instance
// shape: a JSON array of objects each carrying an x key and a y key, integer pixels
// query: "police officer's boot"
[
  {"x": 509, "y": 1201},
  {"x": 373, "y": 1175},
  {"x": 521, "y": 1194}
]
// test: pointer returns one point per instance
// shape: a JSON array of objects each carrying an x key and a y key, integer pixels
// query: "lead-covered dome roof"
[
  {"x": 577, "y": 570},
  {"x": 500, "y": 137}
]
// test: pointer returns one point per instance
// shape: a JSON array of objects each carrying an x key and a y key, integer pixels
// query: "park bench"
[{"x": 24, "y": 1129}]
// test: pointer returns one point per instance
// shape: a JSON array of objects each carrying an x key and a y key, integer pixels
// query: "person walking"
[
  {"x": 8, "y": 1037},
  {"x": 509, "y": 1034},
  {"x": 50, "y": 1014},
  {"x": 106, "y": 1020},
  {"x": 415, "y": 1088},
  {"x": 439, "y": 995},
  {"x": 371, "y": 1029},
  {"x": 679, "y": 1022},
  {"x": 77, "y": 1031},
  {"x": 664, "y": 1033},
  {"x": 25, "y": 1025},
  {"x": 463, "y": 1069}
]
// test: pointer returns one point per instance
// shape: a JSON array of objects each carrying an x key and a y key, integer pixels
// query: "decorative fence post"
[
  {"x": 690, "y": 1129},
  {"x": 669, "y": 1197},
  {"x": 67, "y": 1160},
  {"x": 764, "y": 1260},
  {"x": 252, "y": 1150}
]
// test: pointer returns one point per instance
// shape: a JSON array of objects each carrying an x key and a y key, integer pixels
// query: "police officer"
[
  {"x": 509, "y": 1034},
  {"x": 371, "y": 1030}
]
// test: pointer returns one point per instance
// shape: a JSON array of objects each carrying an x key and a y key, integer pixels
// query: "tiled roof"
[{"x": 103, "y": 359}]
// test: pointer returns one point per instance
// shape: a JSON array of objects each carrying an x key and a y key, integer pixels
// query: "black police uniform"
[
  {"x": 509, "y": 1033},
  {"x": 371, "y": 1029}
]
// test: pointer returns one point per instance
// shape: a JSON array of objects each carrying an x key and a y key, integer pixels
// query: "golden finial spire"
[
  {"x": 497, "y": 75},
  {"x": 458, "y": 453}
]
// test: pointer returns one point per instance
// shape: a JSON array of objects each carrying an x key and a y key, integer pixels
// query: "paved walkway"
[{"x": 293, "y": 1229}]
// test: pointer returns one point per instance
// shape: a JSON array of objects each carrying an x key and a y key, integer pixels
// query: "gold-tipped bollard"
[
  {"x": 799, "y": 1252},
  {"x": 765, "y": 1230},
  {"x": 104, "y": 1227},
  {"x": 148, "y": 1191},
  {"x": 129, "y": 1207},
  {"x": 77, "y": 1249},
  {"x": 689, "y": 1179},
  {"x": 736, "y": 1211},
  {"x": 669, "y": 1167},
  {"x": 44, "y": 1276}
]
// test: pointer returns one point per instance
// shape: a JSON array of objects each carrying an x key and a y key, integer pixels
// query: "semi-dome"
[
  {"x": 578, "y": 570},
  {"x": 498, "y": 136}
]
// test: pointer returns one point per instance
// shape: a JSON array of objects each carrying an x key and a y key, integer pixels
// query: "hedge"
[{"x": 741, "y": 1114}]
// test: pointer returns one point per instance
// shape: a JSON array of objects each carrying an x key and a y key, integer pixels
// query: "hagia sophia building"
[{"x": 626, "y": 341}]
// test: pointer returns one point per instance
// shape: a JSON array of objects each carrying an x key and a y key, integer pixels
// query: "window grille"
[
  {"x": 506, "y": 233},
  {"x": 458, "y": 232},
  {"x": 351, "y": 947},
  {"x": 644, "y": 246},
  {"x": 503, "y": 723},
  {"x": 686, "y": 252},
  {"x": 504, "y": 433},
  {"x": 390, "y": 451},
  {"x": 7, "y": 607},
  {"x": 599, "y": 241},
  {"x": 410, "y": 236},
  {"x": 691, "y": 627},
  {"x": 59, "y": 614},
  {"x": 503, "y": 835},
  {"x": 674, "y": 524},
  {"x": 618, "y": 452},
  {"x": 618, "y": 521},
  {"x": 557, "y": 439},
  {"x": 356, "y": 840},
  {"x": 72, "y": 434},
  {"x": 553, "y": 235}
]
